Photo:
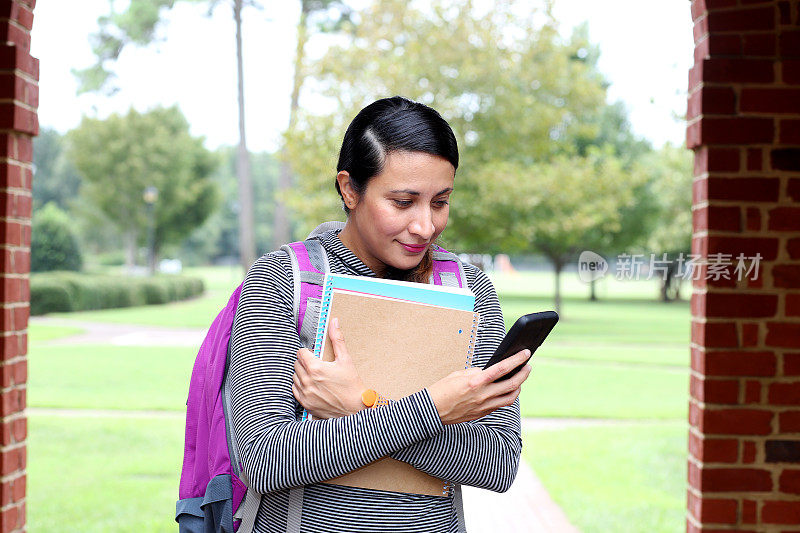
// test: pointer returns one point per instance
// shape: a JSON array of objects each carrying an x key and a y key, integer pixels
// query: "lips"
[{"x": 414, "y": 248}]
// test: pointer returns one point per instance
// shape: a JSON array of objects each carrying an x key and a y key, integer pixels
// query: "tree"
[
  {"x": 327, "y": 23},
  {"x": 509, "y": 86},
  {"x": 123, "y": 155},
  {"x": 217, "y": 238},
  {"x": 137, "y": 25},
  {"x": 54, "y": 245},
  {"x": 556, "y": 207},
  {"x": 671, "y": 167},
  {"x": 54, "y": 177}
]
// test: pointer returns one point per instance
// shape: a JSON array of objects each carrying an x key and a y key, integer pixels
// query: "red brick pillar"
[
  {"x": 19, "y": 95},
  {"x": 744, "y": 126}
]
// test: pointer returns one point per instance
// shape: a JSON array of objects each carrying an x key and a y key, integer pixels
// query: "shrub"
[
  {"x": 49, "y": 295},
  {"x": 71, "y": 291},
  {"x": 53, "y": 244}
]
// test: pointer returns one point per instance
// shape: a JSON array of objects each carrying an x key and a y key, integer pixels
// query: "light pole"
[{"x": 150, "y": 198}]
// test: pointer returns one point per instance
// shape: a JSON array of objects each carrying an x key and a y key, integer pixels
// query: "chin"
[{"x": 405, "y": 263}]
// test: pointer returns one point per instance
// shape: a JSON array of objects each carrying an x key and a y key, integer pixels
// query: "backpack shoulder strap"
[
  {"x": 448, "y": 270},
  {"x": 309, "y": 266}
]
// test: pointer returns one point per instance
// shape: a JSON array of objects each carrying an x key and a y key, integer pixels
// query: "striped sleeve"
[
  {"x": 485, "y": 452},
  {"x": 277, "y": 451}
]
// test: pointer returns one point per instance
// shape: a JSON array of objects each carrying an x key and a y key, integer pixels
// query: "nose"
[{"x": 422, "y": 224}]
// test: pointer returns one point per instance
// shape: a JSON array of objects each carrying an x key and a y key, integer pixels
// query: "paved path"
[
  {"x": 525, "y": 507},
  {"x": 123, "y": 334}
]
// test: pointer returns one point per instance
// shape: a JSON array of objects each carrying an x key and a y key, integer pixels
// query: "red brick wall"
[
  {"x": 744, "y": 125},
  {"x": 19, "y": 94}
]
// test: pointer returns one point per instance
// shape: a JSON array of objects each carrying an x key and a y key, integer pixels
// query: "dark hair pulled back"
[{"x": 388, "y": 125}]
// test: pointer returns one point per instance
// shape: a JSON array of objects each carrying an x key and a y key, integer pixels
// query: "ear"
[{"x": 348, "y": 193}]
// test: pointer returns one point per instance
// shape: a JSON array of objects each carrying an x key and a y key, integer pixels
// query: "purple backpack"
[{"x": 214, "y": 495}]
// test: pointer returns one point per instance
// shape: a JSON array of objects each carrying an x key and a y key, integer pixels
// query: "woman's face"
[{"x": 401, "y": 212}]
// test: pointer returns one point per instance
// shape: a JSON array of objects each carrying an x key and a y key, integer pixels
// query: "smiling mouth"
[{"x": 414, "y": 248}]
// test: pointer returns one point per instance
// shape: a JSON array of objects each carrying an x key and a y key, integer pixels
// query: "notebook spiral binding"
[
  {"x": 325, "y": 308},
  {"x": 448, "y": 489},
  {"x": 472, "y": 339},
  {"x": 319, "y": 340}
]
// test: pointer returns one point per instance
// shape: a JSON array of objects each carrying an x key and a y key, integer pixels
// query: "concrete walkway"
[{"x": 525, "y": 507}]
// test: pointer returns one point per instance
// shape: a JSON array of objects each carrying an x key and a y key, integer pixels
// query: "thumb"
[{"x": 337, "y": 340}]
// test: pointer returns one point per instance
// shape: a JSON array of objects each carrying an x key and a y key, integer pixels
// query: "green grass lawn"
[
  {"x": 109, "y": 377},
  {"x": 194, "y": 313},
  {"x": 629, "y": 478},
  {"x": 101, "y": 474},
  {"x": 561, "y": 389},
  {"x": 42, "y": 332},
  {"x": 625, "y": 356}
]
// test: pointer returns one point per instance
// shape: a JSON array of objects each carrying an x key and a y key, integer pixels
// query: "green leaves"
[
  {"x": 122, "y": 155},
  {"x": 513, "y": 90}
]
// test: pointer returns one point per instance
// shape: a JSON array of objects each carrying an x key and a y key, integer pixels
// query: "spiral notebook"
[{"x": 402, "y": 337}]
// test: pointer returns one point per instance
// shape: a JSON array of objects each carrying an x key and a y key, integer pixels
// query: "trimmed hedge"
[{"x": 71, "y": 291}]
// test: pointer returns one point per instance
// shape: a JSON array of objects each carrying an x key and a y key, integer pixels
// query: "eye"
[
  {"x": 441, "y": 203},
  {"x": 402, "y": 203}
]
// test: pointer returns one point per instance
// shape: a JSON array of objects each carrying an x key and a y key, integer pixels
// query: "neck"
[{"x": 349, "y": 237}]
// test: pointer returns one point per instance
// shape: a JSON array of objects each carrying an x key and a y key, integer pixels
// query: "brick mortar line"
[
  {"x": 19, "y": 103},
  {"x": 12, "y": 476},
  {"x": 17, "y": 220},
  {"x": 21, "y": 73},
  {"x": 712, "y": 406},
  {"x": 776, "y": 234},
  {"x": 770, "y": 495},
  {"x": 17, "y": 503},
  {"x": 14, "y": 22},
  {"x": 16, "y": 359},
  {"x": 18, "y": 190},
  {"x": 11, "y": 160}
]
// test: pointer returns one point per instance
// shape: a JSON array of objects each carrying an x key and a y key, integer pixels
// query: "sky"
[{"x": 646, "y": 52}]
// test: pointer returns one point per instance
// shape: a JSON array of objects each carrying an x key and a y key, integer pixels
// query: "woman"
[{"x": 395, "y": 176}]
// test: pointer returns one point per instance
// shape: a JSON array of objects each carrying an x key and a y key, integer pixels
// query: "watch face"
[{"x": 368, "y": 397}]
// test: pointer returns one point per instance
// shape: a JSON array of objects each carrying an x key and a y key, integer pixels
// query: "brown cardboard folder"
[{"x": 399, "y": 347}]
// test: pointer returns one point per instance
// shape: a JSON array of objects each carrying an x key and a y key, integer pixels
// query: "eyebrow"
[{"x": 416, "y": 193}]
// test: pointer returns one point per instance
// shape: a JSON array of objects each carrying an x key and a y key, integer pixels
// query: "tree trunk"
[
  {"x": 130, "y": 250},
  {"x": 558, "y": 265},
  {"x": 247, "y": 240},
  {"x": 668, "y": 282},
  {"x": 153, "y": 260},
  {"x": 281, "y": 231}
]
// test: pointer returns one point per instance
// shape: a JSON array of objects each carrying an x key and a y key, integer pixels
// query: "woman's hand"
[
  {"x": 328, "y": 389},
  {"x": 471, "y": 394}
]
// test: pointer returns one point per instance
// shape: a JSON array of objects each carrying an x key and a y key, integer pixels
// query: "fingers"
[
  {"x": 304, "y": 357},
  {"x": 337, "y": 340},
  {"x": 505, "y": 366},
  {"x": 297, "y": 394},
  {"x": 510, "y": 384}
]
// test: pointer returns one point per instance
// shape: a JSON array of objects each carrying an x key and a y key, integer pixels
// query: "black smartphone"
[{"x": 529, "y": 331}]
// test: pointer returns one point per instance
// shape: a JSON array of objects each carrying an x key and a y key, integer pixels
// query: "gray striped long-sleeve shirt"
[{"x": 279, "y": 452}]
